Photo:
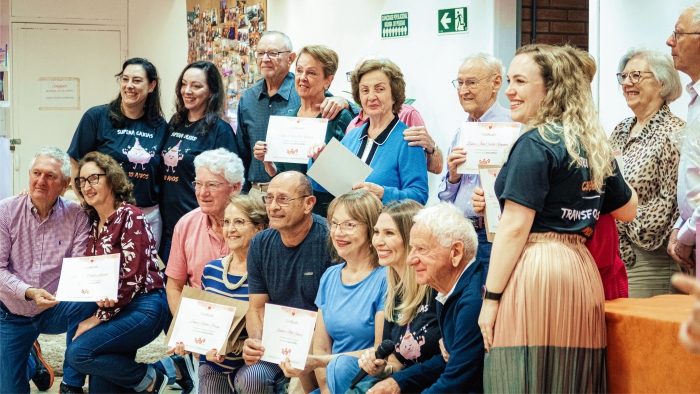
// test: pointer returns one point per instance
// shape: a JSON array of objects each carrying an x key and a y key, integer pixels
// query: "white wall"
[
  {"x": 619, "y": 25},
  {"x": 429, "y": 62}
]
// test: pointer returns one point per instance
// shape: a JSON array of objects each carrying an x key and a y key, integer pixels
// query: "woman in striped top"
[{"x": 244, "y": 217}]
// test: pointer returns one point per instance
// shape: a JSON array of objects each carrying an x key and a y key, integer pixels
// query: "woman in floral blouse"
[
  {"x": 650, "y": 165},
  {"x": 105, "y": 344}
]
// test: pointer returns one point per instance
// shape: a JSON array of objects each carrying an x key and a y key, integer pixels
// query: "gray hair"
[
  {"x": 661, "y": 64},
  {"x": 447, "y": 224},
  {"x": 53, "y": 152},
  {"x": 222, "y": 162},
  {"x": 696, "y": 15},
  {"x": 493, "y": 64},
  {"x": 287, "y": 41}
]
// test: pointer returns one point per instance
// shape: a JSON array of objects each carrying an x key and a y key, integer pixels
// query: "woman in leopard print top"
[{"x": 650, "y": 165}]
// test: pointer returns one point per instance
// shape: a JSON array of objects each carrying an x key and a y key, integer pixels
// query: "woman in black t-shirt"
[
  {"x": 543, "y": 317},
  {"x": 131, "y": 130},
  {"x": 196, "y": 127}
]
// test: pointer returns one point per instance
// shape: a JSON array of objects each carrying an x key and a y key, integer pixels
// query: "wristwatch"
[{"x": 487, "y": 295}]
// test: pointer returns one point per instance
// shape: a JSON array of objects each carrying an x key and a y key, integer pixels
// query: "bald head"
[{"x": 295, "y": 188}]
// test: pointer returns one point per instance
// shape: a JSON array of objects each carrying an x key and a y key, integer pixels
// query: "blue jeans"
[
  {"x": 483, "y": 251},
  {"x": 107, "y": 351},
  {"x": 341, "y": 371},
  {"x": 18, "y": 333}
]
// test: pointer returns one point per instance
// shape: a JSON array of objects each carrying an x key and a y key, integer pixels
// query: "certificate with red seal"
[
  {"x": 201, "y": 325},
  {"x": 290, "y": 138},
  {"x": 486, "y": 143},
  {"x": 287, "y": 332},
  {"x": 89, "y": 278}
]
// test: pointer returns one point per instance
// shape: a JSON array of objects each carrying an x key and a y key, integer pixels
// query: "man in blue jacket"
[{"x": 443, "y": 248}]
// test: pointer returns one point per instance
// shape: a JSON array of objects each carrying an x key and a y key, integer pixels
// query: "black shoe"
[
  {"x": 185, "y": 381},
  {"x": 43, "y": 377},
  {"x": 66, "y": 389},
  {"x": 160, "y": 384}
]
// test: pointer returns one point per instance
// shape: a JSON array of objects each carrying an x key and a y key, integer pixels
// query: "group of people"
[{"x": 524, "y": 314}]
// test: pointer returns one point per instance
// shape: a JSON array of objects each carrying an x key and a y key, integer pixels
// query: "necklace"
[
  {"x": 226, "y": 262},
  {"x": 191, "y": 123}
]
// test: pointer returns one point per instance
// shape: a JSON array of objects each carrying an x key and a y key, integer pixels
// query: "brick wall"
[{"x": 558, "y": 22}]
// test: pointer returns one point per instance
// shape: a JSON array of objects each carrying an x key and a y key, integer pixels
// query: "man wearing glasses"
[
  {"x": 685, "y": 50},
  {"x": 273, "y": 95},
  {"x": 37, "y": 231},
  {"x": 286, "y": 261},
  {"x": 478, "y": 81}
]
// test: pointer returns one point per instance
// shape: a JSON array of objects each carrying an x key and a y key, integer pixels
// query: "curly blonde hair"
[{"x": 567, "y": 111}]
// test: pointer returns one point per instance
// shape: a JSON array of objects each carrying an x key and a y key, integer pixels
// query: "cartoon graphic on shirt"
[
  {"x": 138, "y": 155},
  {"x": 172, "y": 157},
  {"x": 409, "y": 348}
]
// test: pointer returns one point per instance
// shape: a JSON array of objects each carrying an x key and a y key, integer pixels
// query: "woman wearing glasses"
[
  {"x": 130, "y": 129},
  {"x": 315, "y": 69},
  {"x": 196, "y": 127},
  {"x": 351, "y": 295},
  {"x": 105, "y": 344},
  {"x": 650, "y": 165}
]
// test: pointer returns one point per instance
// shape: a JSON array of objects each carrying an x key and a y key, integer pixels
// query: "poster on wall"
[
  {"x": 227, "y": 33},
  {"x": 62, "y": 93}
]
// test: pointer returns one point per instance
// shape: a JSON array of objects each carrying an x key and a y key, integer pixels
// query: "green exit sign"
[
  {"x": 452, "y": 20},
  {"x": 395, "y": 25}
]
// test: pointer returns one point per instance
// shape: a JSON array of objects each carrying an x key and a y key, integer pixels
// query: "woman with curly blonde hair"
[{"x": 543, "y": 317}]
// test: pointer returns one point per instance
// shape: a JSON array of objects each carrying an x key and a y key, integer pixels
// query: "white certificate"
[
  {"x": 486, "y": 144},
  {"x": 620, "y": 159},
  {"x": 337, "y": 169},
  {"x": 89, "y": 278},
  {"x": 287, "y": 332},
  {"x": 201, "y": 325},
  {"x": 492, "y": 213},
  {"x": 289, "y": 139}
]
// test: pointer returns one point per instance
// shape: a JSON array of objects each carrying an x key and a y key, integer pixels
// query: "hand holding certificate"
[
  {"x": 287, "y": 333},
  {"x": 289, "y": 138},
  {"x": 90, "y": 278},
  {"x": 486, "y": 144},
  {"x": 337, "y": 169}
]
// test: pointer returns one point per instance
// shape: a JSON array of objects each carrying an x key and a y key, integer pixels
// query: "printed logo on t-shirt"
[
  {"x": 172, "y": 156},
  {"x": 409, "y": 345},
  {"x": 138, "y": 155},
  {"x": 576, "y": 214}
]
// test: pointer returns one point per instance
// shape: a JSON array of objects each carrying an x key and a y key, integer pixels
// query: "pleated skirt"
[{"x": 549, "y": 335}]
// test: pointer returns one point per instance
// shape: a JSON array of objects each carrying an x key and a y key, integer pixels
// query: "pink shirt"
[
  {"x": 408, "y": 115},
  {"x": 194, "y": 245}
]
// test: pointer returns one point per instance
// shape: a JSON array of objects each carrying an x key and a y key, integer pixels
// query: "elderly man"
[
  {"x": 443, "y": 246},
  {"x": 285, "y": 264},
  {"x": 685, "y": 49},
  {"x": 416, "y": 134},
  {"x": 273, "y": 95},
  {"x": 37, "y": 231},
  {"x": 478, "y": 81}
]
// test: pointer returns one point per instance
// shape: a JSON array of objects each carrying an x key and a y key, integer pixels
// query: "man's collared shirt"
[
  {"x": 460, "y": 193},
  {"x": 32, "y": 251},
  {"x": 442, "y": 298},
  {"x": 689, "y": 179}
]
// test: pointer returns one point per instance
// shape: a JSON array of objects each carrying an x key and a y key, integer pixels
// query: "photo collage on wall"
[{"x": 227, "y": 33}]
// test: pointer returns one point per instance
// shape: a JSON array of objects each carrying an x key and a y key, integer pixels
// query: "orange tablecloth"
[{"x": 644, "y": 355}]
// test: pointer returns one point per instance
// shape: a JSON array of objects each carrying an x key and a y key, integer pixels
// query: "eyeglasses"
[
  {"x": 282, "y": 201},
  {"x": 349, "y": 75},
  {"x": 212, "y": 186},
  {"x": 270, "y": 54},
  {"x": 345, "y": 227},
  {"x": 470, "y": 83},
  {"x": 235, "y": 223},
  {"x": 634, "y": 76},
  {"x": 677, "y": 33},
  {"x": 91, "y": 180}
]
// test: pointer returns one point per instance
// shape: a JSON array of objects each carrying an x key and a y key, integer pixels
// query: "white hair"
[
  {"x": 53, "y": 152},
  {"x": 493, "y": 64},
  {"x": 222, "y": 162},
  {"x": 447, "y": 224},
  {"x": 696, "y": 15},
  {"x": 661, "y": 65},
  {"x": 287, "y": 40}
]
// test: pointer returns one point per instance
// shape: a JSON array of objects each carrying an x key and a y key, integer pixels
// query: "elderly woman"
[
  {"x": 105, "y": 344},
  {"x": 351, "y": 295},
  {"x": 399, "y": 170},
  {"x": 196, "y": 127},
  {"x": 649, "y": 83},
  {"x": 550, "y": 191},
  {"x": 315, "y": 70},
  {"x": 132, "y": 130}
]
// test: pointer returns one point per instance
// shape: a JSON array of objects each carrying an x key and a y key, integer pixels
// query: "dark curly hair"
[
  {"x": 152, "y": 109},
  {"x": 391, "y": 70},
  {"x": 115, "y": 177},
  {"x": 216, "y": 102}
]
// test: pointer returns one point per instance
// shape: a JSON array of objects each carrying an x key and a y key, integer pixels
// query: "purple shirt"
[
  {"x": 460, "y": 193},
  {"x": 32, "y": 252}
]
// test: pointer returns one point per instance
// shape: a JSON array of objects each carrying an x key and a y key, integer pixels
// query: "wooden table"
[{"x": 644, "y": 355}]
